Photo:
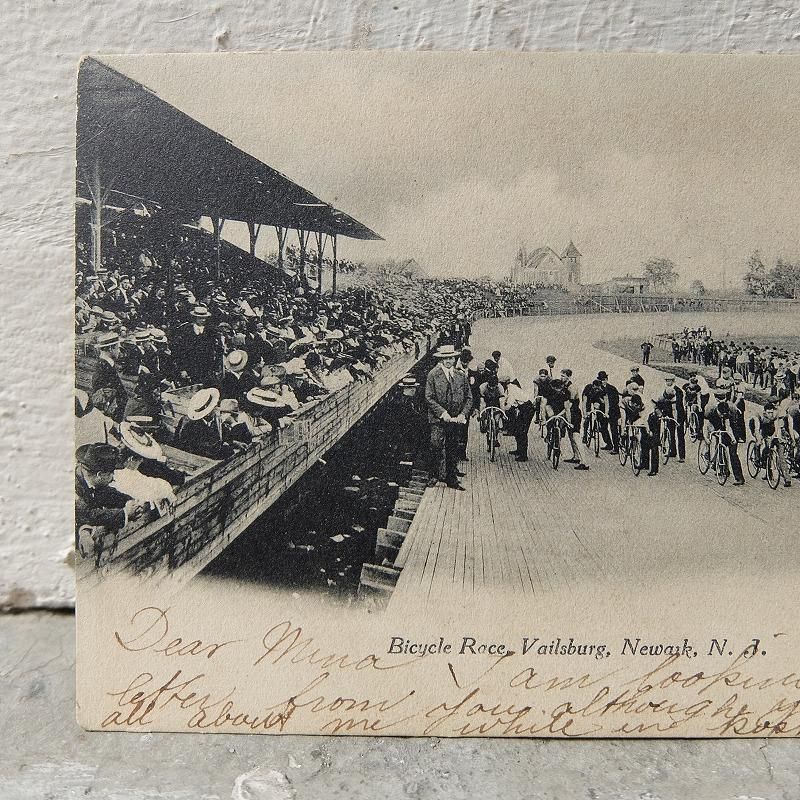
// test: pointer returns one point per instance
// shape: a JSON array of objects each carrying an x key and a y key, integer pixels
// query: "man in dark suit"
[
  {"x": 449, "y": 400},
  {"x": 105, "y": 375},
  {"x": 675, "y": 407},
  {"x": 611, "y": 430},
  {"x": 200, "y": 431},
  {"x": 197, "y": 348}
]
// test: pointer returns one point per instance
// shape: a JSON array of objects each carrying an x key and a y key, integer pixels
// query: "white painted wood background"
[{"x": 45, "y": 38}]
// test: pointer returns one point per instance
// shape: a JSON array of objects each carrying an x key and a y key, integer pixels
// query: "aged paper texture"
[{"x": 438, "y": 394}]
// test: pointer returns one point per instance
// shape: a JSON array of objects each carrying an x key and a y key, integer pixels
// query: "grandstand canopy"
[{"x": 130, "y": 140}]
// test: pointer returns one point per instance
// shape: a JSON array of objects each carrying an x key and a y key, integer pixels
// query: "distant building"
[
  {"x": 624, "y": 284},
  {"x": 545, "y": 267}
]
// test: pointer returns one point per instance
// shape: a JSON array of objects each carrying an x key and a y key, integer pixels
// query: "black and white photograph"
[{"x": 466, "y": 363}]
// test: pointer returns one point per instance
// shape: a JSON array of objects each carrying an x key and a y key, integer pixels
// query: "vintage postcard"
[{"x": 438, "y": 394}]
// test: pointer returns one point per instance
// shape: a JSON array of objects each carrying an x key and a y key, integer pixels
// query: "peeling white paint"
[
  {"x": 36, "y": 140},
  {"x": 263, "y": 783}
]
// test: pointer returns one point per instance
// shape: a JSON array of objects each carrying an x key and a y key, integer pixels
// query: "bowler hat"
[{"x": 97, "y": 457}]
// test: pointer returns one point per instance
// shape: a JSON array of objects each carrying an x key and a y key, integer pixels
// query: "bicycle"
[
  {"x": 667, "y": 435},
  {"x": 491, "y": 423},
  {"x": 557, "y": 427},
  {"x": 630, "y": 447},
  {"x": 772, "y": 464},
  {"x": 695, "y": 425},
  {"x": 713, "y": 453},
  {"x": 596, "y": 418}
]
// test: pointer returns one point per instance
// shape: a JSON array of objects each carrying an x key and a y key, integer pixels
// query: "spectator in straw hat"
[
  {"x": 139, "y": 456},
  {"x": 237, "y": 380},
  {"x": 200, "y": 431},
  {"x": 267, "y": 403},
  {"x": 105, "y": 375}
]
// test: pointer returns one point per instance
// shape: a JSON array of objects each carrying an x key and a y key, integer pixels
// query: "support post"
[
  {"x": 281, "y": 234},
  {"x": 335, "y": 266},
  {"x": 99, "y": 195},
  {"x": 302, "y": 238},
  {"x": 253, "y": 229},
  {"x": 217, "y": 223},
  {"x": 321, "y": 242}
]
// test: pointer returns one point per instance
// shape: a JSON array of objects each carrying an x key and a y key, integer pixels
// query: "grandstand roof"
[{"x": 147, "y": 148}]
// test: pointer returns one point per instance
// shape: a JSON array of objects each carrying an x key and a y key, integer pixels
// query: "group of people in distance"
[{"x": 767, "y": 367}]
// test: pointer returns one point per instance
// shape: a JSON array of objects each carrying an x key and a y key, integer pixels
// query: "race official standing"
[{"x": 449, "y": 400}]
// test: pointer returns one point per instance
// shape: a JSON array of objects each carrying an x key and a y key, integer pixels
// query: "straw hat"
[
  {"x": 108, "y": 340},
  {"x": 139, "y": 442},
  {"x": 265, "y": 398},
  {"x": 200, "y": 312},
  {"x": 157, "y": 335},
  {"x": 236, "y": 360},
  {"x": 446, "y": 351},
  {"x": 202, "y": 403}
]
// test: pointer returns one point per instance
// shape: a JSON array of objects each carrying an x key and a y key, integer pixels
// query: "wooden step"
[{"x": 398, "y": 524}]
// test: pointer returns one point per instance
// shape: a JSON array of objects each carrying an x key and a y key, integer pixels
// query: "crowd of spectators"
[
  {"x": 208, "y": 361},
  {"x": 769, "y": 367}
]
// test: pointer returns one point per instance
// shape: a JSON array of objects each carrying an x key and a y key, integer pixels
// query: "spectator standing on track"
[{"x": 646, "y": 348}]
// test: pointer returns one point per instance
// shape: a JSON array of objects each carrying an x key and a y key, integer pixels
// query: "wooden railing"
[
  {"x": 220, "y": 501},
  {"x": 631, "y": 304}
]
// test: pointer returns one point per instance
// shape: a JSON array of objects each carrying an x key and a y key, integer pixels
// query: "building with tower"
[{"x": 544, "y": 267}]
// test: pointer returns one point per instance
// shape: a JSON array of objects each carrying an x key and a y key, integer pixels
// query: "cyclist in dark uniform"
[
  {"x": 718, "y": 418},
  {"x": 542, "y": 385},
  {"x": 768, "y": 427}
]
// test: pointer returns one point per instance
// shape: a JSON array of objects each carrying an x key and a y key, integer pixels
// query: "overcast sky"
[{"x": 456, "y": 159}]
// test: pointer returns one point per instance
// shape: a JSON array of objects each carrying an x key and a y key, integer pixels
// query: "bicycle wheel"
[
  {"x": 704, "y": 457},
  {"x": 556, "y": 454},
  {"x": 624, "y": 448},
  {"x": 596, "y": 439},
  {"x": 636, "y": 455},
  {"x": 665, "y": 443},
  {"x": 549, "y": 441},
  {"x": 773, "y": 469},
  {"x": 753, "y": 460},
  {"x": 694, "y": 426},
  {"x": 491, "y": 438},
  {"x": 723, "y": 465}
]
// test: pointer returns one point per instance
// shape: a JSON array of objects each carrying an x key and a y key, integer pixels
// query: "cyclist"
[
  {"x": 542, "y": 389},
  {"x": 519, "y": 401},
  {"x": 492, "y": 394},
  {"x": 651, "y": 433},
  {"x": 611, "y": 428},
  {"x": 551, "y": 363},
  {"x": 790, "y": 410},
  {"x": 767, "y": 428},
  {"x": 593, "y": 397},
  {"x": 718, "y": 418},
  {"x": 675, "y": 408}
]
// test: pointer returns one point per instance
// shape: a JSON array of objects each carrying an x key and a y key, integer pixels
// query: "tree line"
[{"x": 783, "y": 280}]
